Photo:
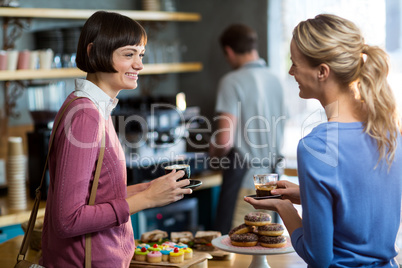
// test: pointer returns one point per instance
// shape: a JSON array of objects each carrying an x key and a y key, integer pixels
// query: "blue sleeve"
[{"x": 317, "y": 172}]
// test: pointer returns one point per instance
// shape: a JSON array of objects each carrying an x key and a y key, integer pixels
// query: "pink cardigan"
[{"x": 68, "y": 217}]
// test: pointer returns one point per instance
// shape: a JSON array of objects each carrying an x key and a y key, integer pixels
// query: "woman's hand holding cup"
[{"x": 168, "y": 188}]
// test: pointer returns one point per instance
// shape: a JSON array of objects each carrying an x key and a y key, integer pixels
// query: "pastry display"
[
  {"x": 181, "y": 245},
  {"x": 257, "y": 218},
  {"x": 203, "y": 240},
  {"x": 140, "y": 254},
  {"x": 154, "y": 257},
  {"x": 272, "y": 241},
  {"x": 272, "y": 229},
  {"x": 188, "y": 253},
  {"x": 166, "y": 252},
  {"x": 258, "y": 229},
  {"x": 242, "y": 229},
  {"x": 155, "y": 247},
  {"x": 181, "y": 237},
  {"x": 153, "y": 236},
  {"x": 176, "y": 256},
  {"x": 244, "y": 240}
]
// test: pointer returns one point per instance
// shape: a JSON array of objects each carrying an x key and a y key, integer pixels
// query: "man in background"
[{"x": 250, "y": 123}]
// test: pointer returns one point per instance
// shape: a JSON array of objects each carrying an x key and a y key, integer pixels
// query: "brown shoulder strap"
[{"x": 88, "y": 249}]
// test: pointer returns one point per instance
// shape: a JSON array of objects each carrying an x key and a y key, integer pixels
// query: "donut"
[
  {"x": 257, "y": 218},
  {"x": 272, "y": 229},
  {"x": 244, "y": 240},
  {"x": 241, "y": 229},
  {"x": 272, "y": 241}
]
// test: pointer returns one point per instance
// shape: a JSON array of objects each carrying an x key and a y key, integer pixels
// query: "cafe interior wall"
[
  {"x": 199, "y": 40},
  {"x": 149, "y": 85}
]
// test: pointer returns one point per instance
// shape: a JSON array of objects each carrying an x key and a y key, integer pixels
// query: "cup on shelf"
[
  {"x": 23, "y": 60},
  {"x": 12, "y": 60},
  {"x": 3, "y": 60},
  {"x": 34, "y": 60},
  {"x": 45, "y": 58}
]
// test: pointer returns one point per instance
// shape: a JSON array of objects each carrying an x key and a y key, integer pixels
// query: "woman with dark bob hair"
[
  {"x": 110, "y": 51},
  {"x": 350, "y": 167}
]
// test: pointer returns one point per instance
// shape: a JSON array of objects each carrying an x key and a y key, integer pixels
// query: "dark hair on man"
[
  {"x": 106, "y": 32},
  {"x": 240, "y": 38}
]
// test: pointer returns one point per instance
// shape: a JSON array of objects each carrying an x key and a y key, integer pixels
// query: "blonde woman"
[{"x": 350, "y": 168}]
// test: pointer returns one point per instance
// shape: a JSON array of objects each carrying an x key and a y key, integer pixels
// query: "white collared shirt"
[{"x": 104, "y": 103}]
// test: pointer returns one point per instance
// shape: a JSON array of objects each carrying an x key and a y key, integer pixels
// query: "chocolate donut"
[
  {"x": 241, "y": 229},
  {"x": 257, "y": 218},
  {"x": 272, "y": 241},
  {"x": 244, "y": 240},
  {"x": 272, "y": 229}
]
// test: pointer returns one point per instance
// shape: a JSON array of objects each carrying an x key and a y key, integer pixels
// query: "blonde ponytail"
[{"x": 383, "y": 121}]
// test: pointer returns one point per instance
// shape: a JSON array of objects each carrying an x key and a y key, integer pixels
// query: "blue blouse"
[{"x": 351, "y": 202}]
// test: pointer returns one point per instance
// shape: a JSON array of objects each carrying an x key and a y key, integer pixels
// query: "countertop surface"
[{"x": 9, "y": 251}]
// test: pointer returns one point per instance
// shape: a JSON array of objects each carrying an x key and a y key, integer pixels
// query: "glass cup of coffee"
[
  {"x": 265, "y": 183},
  {"x": 185, "y": 168}
]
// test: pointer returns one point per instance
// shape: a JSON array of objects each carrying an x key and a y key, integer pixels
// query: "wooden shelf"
[
  {"x": 54, "y": 13},
  {"x": 162, "y": 68}
]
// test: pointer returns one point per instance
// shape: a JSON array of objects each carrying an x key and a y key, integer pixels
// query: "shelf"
[
  {"x": 162, "y": 68},
  {"x": 54, "y": 13}
]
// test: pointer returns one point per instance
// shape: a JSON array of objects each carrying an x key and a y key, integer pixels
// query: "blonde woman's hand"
[{"x": 288, "y": 190}]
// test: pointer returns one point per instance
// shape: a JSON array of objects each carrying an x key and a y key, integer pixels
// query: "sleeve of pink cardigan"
[{"x": 75, "y": 162}]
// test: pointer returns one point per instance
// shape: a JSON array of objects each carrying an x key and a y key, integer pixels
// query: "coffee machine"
[{"x": 154, "y": 132}]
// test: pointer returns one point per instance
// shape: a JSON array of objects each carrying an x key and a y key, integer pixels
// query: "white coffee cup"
[
  {"x": 45, "y": 59},
  {"x": 12, "y": 60}
]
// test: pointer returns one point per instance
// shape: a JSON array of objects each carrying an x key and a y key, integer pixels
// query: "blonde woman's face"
[{"x": 305, "y": 75}]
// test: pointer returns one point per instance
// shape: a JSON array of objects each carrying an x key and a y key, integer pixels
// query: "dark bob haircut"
[
  {"x": 240, "y": 38},
  {"x": 106, "y": 31}
]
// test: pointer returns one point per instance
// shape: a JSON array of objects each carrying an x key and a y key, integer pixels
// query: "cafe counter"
[{"x": 9, "y": 251}]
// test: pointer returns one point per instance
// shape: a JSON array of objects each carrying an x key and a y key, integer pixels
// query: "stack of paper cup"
[{"x": 16, "y": 174}]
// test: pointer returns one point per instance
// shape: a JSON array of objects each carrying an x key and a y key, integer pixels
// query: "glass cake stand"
[{"x": 259, "y": 253}]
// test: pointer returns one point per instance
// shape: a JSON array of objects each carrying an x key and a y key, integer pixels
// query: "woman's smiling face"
[
  {"x": 127, "y": 61},
  {"x": 305, "y": 75}
]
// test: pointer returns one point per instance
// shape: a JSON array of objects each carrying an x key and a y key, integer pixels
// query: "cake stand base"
[{"x": 259, "y": 261}]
